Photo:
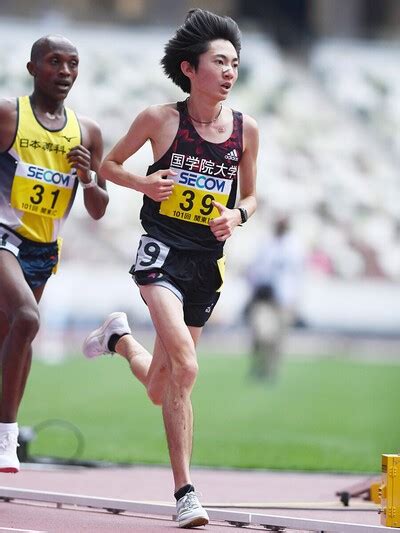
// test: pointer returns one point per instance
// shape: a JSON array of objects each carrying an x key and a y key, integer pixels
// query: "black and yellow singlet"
[{"x": 37, "y": 184}]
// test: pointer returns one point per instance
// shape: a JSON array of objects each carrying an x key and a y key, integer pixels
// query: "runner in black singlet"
[
  {"x": 46, "y": 152},
  {"x": 204, "y": 152}
]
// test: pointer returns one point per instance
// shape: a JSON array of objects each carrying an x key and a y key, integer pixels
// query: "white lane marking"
[{"x": 21, "y": 530}]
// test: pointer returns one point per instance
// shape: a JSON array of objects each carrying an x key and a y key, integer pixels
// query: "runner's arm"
[
  {"x": 8, "y": 122},
  {"x": 223, "y": 226},
  {"x": 248, "y": 166},
  {"x": 86, "y": 157},
  {"x": 156, "y": 185}
]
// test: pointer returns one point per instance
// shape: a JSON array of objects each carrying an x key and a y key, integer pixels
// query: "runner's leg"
[
  {"x": 176, "y": 340},
  {"x": 20, "y": 310}
]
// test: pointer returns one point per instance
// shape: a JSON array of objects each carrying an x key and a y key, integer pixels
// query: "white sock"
[{"x": 5, "y": 428}]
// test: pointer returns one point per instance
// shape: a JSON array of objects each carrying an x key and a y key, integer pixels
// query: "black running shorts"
[{"x": 196, "y": 278}]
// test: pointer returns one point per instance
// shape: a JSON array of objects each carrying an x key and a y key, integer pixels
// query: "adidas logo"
[{"x": 232, "y": 155}]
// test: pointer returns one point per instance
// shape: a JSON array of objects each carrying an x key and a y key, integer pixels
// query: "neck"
[
  {"x": 209, "y": 116},
  {"x": 45, "y": 106}
]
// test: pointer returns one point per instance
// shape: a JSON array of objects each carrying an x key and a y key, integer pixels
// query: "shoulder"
[
  {"x": 8, "y": 122},
  {"x": 155, "y": 120},
  {"x": 250, "y": 125},
  {"x": 8, "y": 108},
  {"x": 91, "y": 131},
  {"x": 250, "y": 131},
  {"x": 158, "y": 114},
  {"x": 88, "y": 123}
]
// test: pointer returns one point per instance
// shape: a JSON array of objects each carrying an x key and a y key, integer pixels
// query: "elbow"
[
  {"x": 98, "y": 215},
  {"x": 104, "y": 169},
  {"x": 108, "y": 171},
  {"x": 98, "y": 211}
]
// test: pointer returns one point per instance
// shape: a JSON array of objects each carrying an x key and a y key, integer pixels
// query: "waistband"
[{"x": 28, "y": 241}]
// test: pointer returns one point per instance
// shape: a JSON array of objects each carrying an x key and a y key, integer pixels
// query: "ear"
[
  {"x": 187, "y": 69},
  {"x": 31, "y": 68}
]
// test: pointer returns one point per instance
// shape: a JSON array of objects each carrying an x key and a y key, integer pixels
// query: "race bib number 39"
[
  {"x": 192, "y": 197},
  {"x": 41, "y": 191}
]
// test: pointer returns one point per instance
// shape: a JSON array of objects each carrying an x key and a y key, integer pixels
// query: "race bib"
[
  {"x": 192, "y": 197},
  {"x": 41, "y": 191},
  {"x": 151, "y": 253}
]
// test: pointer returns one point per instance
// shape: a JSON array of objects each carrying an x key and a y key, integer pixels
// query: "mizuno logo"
[
  {"x": 232, "y": 155},
  {"x": 68, "y": 139}
]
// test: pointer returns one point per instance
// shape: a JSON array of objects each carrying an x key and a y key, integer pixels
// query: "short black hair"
[
  {"x": 43, "y": 44},
  {"x": 192, "y": 39}
]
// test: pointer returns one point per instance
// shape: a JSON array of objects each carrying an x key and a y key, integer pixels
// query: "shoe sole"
[
  {"x": 194, "y": 522},
  {"x": 100, "y": 331},
  {"x": 9, "y": 470}
]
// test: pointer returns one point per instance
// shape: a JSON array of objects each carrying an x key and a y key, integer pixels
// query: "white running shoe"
[
  {"x": 9, "y": 462},
  {"x": 96, "y": 343},
  {"x": 189, "y": 511}
]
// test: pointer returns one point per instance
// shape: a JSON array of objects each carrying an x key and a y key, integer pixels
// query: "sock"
[
  {"x": 182, "y": 491},
  {"x": 13, "y": 426},
  {"x": 113, "y": 341}
]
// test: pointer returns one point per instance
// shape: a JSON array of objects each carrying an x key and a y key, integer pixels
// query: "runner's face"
[
  {"x": 56, "y": 70},
  {"x": 217, "y": 70}
]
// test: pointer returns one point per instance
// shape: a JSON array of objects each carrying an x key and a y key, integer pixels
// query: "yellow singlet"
[{"x": 44, "y": 185}]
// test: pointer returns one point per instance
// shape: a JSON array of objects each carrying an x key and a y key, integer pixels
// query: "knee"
[
  {"x": 185, "y": 374},
  {"x": 26, "y": 322}
]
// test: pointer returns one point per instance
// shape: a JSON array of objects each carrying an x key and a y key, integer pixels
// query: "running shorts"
[
  {"x": 38, "y": 260},
  {"x": 196, "y": 278}
]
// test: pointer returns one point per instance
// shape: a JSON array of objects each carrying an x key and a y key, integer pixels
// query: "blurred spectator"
[
  {"x": 276, "y": 275},
  {"x": 320, "y": 262}
]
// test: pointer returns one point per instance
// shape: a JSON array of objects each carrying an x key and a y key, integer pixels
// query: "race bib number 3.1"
[
  {"x": 192, "y": 197},
  {"x": 41, "y": 191}
]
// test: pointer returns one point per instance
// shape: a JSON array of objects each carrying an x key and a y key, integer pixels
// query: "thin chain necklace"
[{"x": 204, "y": 121}]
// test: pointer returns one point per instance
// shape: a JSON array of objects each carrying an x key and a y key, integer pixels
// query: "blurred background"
[{"x": 322, "y": 80}]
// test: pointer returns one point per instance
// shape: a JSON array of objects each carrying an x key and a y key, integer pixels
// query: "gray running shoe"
[
  {"x": 189, "y": 511},
  {"x": 96, "y": 343}
]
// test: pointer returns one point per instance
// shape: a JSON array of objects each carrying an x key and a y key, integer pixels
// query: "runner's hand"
[
  {"x": 79, "y": 158},
  {"x": 223, "y": 226},
  {"x": 157, "y": 186}
]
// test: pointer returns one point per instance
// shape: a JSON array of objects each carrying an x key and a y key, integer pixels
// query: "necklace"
[{"x": 220, "y": 129}]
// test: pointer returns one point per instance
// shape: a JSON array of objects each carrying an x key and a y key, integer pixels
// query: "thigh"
[
  {"x": 167, "y": 315},
  {"x": 14, "y": 290},
  {"x": 160, "y": 365},
  {"x": 158, "y": 264},
  {"x": 160, "y": 368}
]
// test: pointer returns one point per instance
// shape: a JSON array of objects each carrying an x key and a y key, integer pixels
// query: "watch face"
[{"x": 244, "y": 214}]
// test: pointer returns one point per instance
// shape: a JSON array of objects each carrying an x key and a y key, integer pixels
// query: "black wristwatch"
[{"x": 243, "y": 214}]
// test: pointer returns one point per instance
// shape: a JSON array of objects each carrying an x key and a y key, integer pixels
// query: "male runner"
[
  {"x": 45, "y": 152},
  {"x": 202, "y": 151}
]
